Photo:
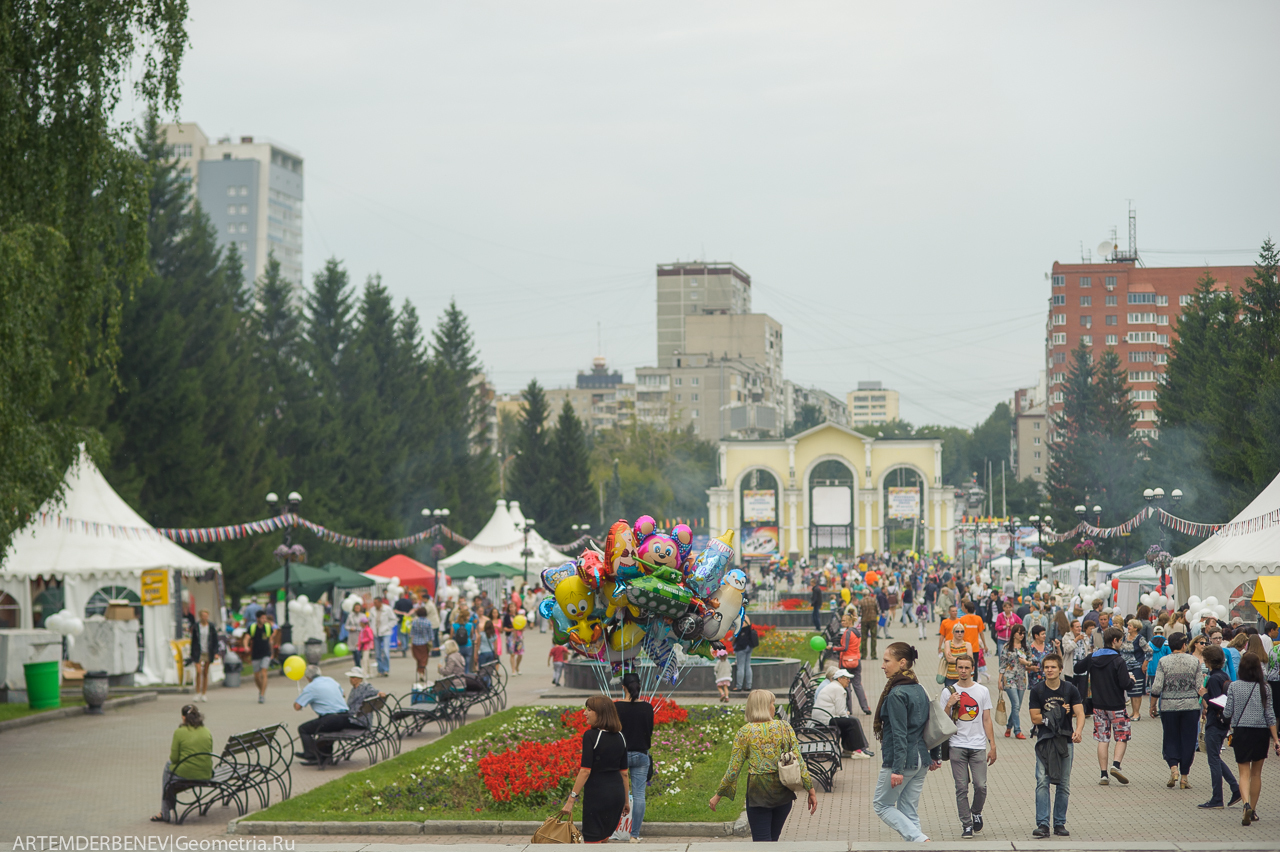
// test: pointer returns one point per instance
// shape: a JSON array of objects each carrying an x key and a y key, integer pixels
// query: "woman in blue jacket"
[{"x": 901, "y": 715}]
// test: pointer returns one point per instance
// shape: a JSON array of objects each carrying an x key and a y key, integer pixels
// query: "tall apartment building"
[
  {"x": 872, "y": 404},
  {"x": 1029, "y": 440},
  {"x": 691, "y": 289},
  {"x": 756, "y": 337},
  {"x": 1126, "y": 307},
  {"x": 252, "y": 192},
  {"x": 600, "y": 399},
  {"x": 832, "y": 408},
  {"x": 717, "y": 397}
]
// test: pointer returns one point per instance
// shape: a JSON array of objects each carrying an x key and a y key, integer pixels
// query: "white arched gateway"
[{"x": 826, "y": 488}]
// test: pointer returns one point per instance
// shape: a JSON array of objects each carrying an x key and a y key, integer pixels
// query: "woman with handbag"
[
  {"x": 636, "y": 717},
  {"x": 901, "y": 715},
  {"x": 849, "y": 654},
  {"x": 1252, "y": 718},
  {"x": 1013, "y": 679},
  {"x": 769, "y": 749},
  {"x": 604, "y": 781}
]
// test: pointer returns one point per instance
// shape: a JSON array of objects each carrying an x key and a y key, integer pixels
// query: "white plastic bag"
[{"x": 623, "y": 831}]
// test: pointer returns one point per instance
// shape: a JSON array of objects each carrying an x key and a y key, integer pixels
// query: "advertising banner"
[
  {"x": 758, "y": 507},
  {"x": 761, "y": 541},
  {"x": 832, "y": 506},
  {"x": 155, "y": 587},
  {"x": 904, "y": 502}
]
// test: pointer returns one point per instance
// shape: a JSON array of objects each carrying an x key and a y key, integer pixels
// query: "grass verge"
[{"x": 18, "y": 711}]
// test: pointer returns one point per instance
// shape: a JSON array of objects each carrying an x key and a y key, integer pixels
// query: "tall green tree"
[
  {"x": 529, "y": 476},
  {"x": 73, "y": 215},
  {"x": 1259, "y": 364},
  {"x": 572, "y": 490}
]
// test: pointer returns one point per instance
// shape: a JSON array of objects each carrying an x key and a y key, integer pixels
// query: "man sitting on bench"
[
  {"x": 831, "y": 707},
  {"x": 324, "y": 696},
  {"x": 361, "y": 691}
]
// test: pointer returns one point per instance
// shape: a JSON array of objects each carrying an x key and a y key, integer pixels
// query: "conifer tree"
[
  {"x": 529, "y": 477},
  {"x": 571, "y": 492}
]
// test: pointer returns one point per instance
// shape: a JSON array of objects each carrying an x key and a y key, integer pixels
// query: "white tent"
[
  {"x": 1072, "y": 573},
  {"x": 101, "y": 543},
  {"x": 501, "y": 541},
  {"x": 1226, "y": 566}
]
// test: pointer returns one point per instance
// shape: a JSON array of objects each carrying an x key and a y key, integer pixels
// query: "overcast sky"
[{"x": 897, "y": 179}]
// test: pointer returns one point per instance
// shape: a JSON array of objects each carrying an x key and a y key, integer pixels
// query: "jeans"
[
  {"x": 869, "y": 637},
  {"x": 766, "y": 823},
  {"x": 896, "y": 806},
  {"x": 384, "y": 654},
  {"x": 1064, "y": 791},
  {"x": 1180, "y": 734},
  {"x": 742, "y": 674},
  {"x": 817, "y": 618},
  {"x": 969, "y": 764},
  {"x": 638, "y": 765},
  {"x": 1015, "y": 708},
  {"x": 856, "y": 686},
  {"x": 1213, "y": 739},
  {"x": 907, "y": 615},
  {"x": 357, "y": 655},
  {"x": 1000, "y": 647}
]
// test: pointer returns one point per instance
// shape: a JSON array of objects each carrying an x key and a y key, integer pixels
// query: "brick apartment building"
[{"x": 1127, "y": 307}]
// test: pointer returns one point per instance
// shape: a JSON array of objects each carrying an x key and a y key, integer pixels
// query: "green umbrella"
[
  {"x": 463, "y": 570},
  {"x": 346, "y": 578},
  {"x": 506, "y": 570},
  {"x": 300, "y": 575}
]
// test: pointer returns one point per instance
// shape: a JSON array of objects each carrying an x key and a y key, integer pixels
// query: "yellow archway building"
[{"x": 869, "y": 462}]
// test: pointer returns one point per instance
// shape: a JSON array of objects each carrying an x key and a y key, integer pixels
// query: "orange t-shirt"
[
  {"x": 945, "y": 631},
  {"x": 973, "y": 627}
]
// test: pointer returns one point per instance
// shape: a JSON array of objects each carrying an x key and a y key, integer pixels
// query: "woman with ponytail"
[
  {"x": 637, "y": 727},
  {"x": 190, "y": 759},
  {"x": 901, "y": 715}
]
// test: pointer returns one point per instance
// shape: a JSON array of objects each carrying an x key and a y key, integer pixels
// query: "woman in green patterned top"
[{"x": 758, "y": 745}]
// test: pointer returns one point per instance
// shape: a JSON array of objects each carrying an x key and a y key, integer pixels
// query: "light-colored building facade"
[
  {"x": 754, "y": 337},
  {"x": 832, "y": 408},
  {"x": 872, "y": 404},
  {"x": 692, "y": 289},
  {"x": 717, "y": 397},
  {"x": 1029, "y": 441},
  {"x": 252, "y": 192}
]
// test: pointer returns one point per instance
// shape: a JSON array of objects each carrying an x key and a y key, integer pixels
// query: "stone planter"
[
  {"x": 313, "y": 651},
  {"x": 96, "y": 688}
]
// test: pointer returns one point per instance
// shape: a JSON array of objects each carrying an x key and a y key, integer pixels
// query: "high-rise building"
[
  {"x": 690, "y": 289},
  {"x": 757, "y": 337},
  {"x": 601, "y": 400},
  {"x": 715, "y": 396},
  {"x": 1129, "y": 308},
  {"x": 1029, "y": 441},
  {"x": 252, "y": 192},
  {"x": 832, "y": 409},
  {"x": 872, "y": 404}
]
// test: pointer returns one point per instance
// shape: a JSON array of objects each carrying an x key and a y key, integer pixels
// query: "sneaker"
[
  {"x": 634, "y": 840},
  {"x": 967, "y": 834},
  {"x": 262, "y": 699},
  {"x": 1118, "y": 775},
  {"x": 1235, "y": 799},
  {"x": 977, "y": 822},
  {"x": 860, "y": 755},
  {"x": 1210, "y": 806},
  {"x": 1041, "y": 831},
  {"x": 1104, "y": 782},
  {"x": 1061, "y": 831}
]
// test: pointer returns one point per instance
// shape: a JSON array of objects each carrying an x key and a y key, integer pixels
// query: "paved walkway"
[{"x": 101, "y": 775}]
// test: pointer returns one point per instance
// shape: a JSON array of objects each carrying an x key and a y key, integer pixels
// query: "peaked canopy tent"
[
  {"x": 1072, "y": 573},
  {"x": 1227, "y": 565},
  {"x": 412, "y": 573},
  {"x": 96, "y": 547},
  {"x": 500, "y": 540}
]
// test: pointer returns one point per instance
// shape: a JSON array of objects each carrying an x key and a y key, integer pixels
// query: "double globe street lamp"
[
  {"x": 524, "y": 529},
  {"x": 286, "y": 554},
  {"x": 1156, "y": 496},
  {"x": 437, "y": 549}
]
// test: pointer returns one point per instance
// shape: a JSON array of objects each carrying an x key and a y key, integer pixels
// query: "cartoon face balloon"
[
  {"x": 620, "y": 551},
  {"x": 683, "y": 534},
  {"x": 660, "y": 550},
  {"x": 577, "y": 602},
  {"x": 645, "y": 527}
]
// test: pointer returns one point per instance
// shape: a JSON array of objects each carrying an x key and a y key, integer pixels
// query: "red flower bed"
[
  {"x": 665, "y": 712},
  {"x": 763, "y": 629},
  {"x": 532, "y": 768},
  {"x": 792, "y": 604}
]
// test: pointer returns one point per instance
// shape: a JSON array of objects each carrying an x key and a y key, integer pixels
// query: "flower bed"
[
  {"x": 793, "y": 604},
  {"x": 519, "y": 765}
]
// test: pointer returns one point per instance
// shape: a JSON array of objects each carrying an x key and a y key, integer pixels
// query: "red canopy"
[{"x": 412, "y": 573}]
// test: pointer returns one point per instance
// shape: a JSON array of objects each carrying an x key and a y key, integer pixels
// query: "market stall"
[{"x": 502, "y": 540}]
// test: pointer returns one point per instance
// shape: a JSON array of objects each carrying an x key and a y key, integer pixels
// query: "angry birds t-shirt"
[{"x": 967, "y": 713}]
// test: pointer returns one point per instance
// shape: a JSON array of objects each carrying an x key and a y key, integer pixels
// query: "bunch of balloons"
[
  {"x": 1153, "y": 600},
  {"x": 65, "y": 623},
  {"x": 647, "y": 592},
  {"x": 1199, "y": 610}
]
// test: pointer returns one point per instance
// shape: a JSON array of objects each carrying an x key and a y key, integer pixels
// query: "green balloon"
[
  {"x": 341, "y": 649},
  {"x": 817, "y": 643}
]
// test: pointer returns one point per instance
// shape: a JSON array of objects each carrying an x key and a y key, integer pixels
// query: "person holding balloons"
[
  {"x": 513, "y": 625},
  {"x": 323, "y": 695}
]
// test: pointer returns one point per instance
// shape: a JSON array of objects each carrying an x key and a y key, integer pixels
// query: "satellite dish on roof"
[{"x": 1105, "y": 248}]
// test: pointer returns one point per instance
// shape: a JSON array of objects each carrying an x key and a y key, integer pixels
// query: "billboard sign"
[
  {"x": 904, "y": 502},
  {"x": 761, "y": 541},
  {"x": 758, "y": 507}
]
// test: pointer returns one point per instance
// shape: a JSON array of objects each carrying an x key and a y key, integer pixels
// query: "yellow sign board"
[{"x": 155, "y": 587}]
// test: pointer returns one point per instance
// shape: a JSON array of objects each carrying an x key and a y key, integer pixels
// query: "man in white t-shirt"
[{"x": 973, "y": 746}]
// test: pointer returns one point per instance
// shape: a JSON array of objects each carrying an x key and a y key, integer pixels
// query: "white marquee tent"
[
  {"x": 108, "y": 552},
  {"x": 1226, "y": 566},
  {"x": 501, "y": 541}
]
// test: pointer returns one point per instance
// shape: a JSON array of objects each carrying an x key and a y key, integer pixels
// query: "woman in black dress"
[{"x": 603, "y": 781}]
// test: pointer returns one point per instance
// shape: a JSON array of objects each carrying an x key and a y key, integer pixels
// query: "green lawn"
[
  {"x": 788, "y": 643},
  {"x": 440, "y": 780},
  {"x": 17, "y": 711}
]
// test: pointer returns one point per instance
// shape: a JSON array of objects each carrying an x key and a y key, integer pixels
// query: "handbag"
[
  {"x": 1002, "y": 712},
  {"x": 942, "y": 670},
  {"x": 1242, "y": 709},
  {"x": 789, "y": 771},
  {"x": 558, "y": 828},
  {"x": 940, "y": 726}
]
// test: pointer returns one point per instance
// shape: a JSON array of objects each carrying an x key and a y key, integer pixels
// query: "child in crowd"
[
  {"x": 556, "y": 658},
  {"x": 724, "y": 674},
  {"x": 366, "y": 642}
]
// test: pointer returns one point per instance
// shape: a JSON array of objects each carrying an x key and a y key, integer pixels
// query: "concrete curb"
[
  {"x": 475, "y": 828},
  {"x": 67, "y": 712}
]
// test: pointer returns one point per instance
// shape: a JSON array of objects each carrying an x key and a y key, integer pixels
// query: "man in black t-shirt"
[
  {"x": 1057, "y": 711},
  {"x": 262, "y": 640}
]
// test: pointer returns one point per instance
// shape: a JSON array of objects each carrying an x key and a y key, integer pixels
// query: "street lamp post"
[
  {"x": 1039, "y": 523},
  {"x": 1083, "y": 514},
  {"x": 526, "y": 553},
  {"x": 439, "y": 516},
  {"x": 289, "y": 507},
  {"x": 1156, "y": 496},
  {"x": 1011, "y": 526}
]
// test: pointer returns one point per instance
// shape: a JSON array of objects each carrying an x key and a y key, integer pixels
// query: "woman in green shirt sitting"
[{"x": 190, "y": 759}]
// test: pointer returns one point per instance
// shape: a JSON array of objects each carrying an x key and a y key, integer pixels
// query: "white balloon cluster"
[
  {"x": 1153, "y": 600},
  {"x": 65, "y": 623},
  {"x": 1044, "y": 587},
  {"x": 1199, "y": 609},
  {"x": 471, "y": 587},
  {"x": 447, "y": 594},
  {"x": 1089, "y": 594},
  {"x": 350, "y": 601}
]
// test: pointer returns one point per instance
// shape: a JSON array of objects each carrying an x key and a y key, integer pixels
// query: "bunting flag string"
[
  {"x": 1189, "y": 527},
  {"x": 573, "y": 545}
]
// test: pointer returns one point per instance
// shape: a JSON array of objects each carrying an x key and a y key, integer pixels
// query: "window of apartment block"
[
  {"x": 1111, "y": 282},
  {"x": 1184, "y": 300},
  {"x": 1142, "y": 298},
  {"x": 1162, "y": 300},
  {"x": 695, "y": 380},
  {"x": 1086, "y": 321},
  {"x": 693, "y": 397},
  {"x": 231, "y": 229},
  {"x": 1112, "y": 340},
  {"x": 1162, "y": 358},
  {"x": 1162, "y": 339},
  {"x": 1086, "y": 301},
  {"x": 1058, "y": 378},
  {"x": 1036, "y": 425},
  {"x": 1037, "y": 468},
  {"x": 1059, "y": 280},
  {"x": 1059, "y": 339},
  {"x": 1139, "y": 357},
  {"x": 1036, "y": 453},
  {"x": 1142, "y": 395},
  {"x": 1162, "y": 319},
  {"x": 1060, "y": 357},
  {"x": 679, "y": 381},
  {"x": 696, "y": 413},
  {"x": 1111, "y": 301},
  {"x": 1036, "y": 440},
  {"x": 679, "y": 397},
  {"x": 1057, "y": 396},
  {"x": 1112, "y": 319},
  {"x": 1059, "y": 319},
  {"x": 1059, "y": 300},
  {"x": 1086, "y": 339},
  {"x": 231, "y": 210},
  {"x": 231, "y": 190},
  {"x": 1086, "y": 281},
  {"x": 696, "y": 430}
]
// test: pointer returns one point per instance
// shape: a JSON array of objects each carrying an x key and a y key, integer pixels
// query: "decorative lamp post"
[
  {"x": 1040, "y": 523},
  {"x": 526, "y": 553},
  {"x": 288, "y": 552},
  {"x": 1011, "y": 526},
  {"x": 1155, "y": 496},
  {"x": 437, "y": 549}
]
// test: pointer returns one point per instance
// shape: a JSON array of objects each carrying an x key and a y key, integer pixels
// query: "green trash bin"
[{"x": 43, "y": 686}]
